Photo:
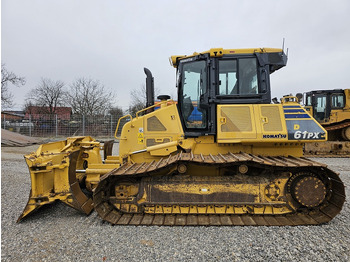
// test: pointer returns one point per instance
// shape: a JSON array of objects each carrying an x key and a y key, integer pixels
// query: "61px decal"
[{"x": 308, "y": 135}]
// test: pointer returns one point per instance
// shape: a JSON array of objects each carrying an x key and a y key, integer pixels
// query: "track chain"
[
  {"x": 323, "y": 214},
  {"x": 337, "y": 126}
]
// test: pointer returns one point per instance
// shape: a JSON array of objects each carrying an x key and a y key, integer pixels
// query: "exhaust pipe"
[{"x": 149, "y": 88}]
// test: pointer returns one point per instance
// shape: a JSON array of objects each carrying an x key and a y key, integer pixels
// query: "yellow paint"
[
  {"x": 49, "y": 171},
  {"x": 263, "y": 119},
  {"x": 219, "y": 52},
  {"x": 210, "y": 188},
  {"x": 249, "y": 123},
  {"x": 168, "y": 116},
  {"x": 140, "y": 139}
]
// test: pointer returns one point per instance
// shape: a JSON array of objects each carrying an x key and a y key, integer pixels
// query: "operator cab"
[
  {"x": 218, "y": 76},
  {"x": 321, "y": 102}
]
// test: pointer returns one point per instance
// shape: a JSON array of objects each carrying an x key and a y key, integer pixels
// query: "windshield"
[{"x": 193, "y": 78}]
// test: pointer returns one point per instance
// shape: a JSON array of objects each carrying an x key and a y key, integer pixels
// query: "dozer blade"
[
  {"x": 107, "y": 149},
  {"x": 54, "y": 178}
]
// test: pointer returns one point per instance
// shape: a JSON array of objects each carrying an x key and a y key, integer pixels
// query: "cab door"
[{"x": 321, "y": 107}]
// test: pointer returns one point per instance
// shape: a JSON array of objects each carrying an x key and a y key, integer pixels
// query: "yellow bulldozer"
[
  {"x": 331, "y": 108},
  {"x": 221, "y": 155}
]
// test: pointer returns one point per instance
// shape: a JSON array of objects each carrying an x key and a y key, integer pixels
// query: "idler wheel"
[
  {"x": 309, "y": 191},
  {"x": 346, "y": 133}
]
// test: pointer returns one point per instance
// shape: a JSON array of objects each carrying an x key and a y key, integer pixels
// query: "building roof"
[{"x": 44, "y": 110}]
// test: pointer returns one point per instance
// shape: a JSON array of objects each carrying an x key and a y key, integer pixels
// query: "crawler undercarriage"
[{"x": 230, "y": 189}]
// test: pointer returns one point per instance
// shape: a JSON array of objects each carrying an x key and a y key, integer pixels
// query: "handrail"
[
  {"x": 155, "y": 105},
  {"x": 116, "y": 130},
  {"x": 138, "y": 112},
  {"x": 289, "y": 99}
]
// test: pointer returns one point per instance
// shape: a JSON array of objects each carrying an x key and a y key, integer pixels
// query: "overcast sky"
[{"x": 112, "y": 41}]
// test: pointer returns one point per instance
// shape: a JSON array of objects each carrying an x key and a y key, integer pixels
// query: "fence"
[{"x": 54, "y": 126}]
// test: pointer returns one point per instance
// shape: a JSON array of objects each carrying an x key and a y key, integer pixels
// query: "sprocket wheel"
[{"x": 308, "y": 189}]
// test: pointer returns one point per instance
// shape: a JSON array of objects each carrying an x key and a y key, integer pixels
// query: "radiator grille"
[
  {"x": 238, "y": 119},
  {"x": 153, "y": 124},
  {"x": 274, "y": 119}
]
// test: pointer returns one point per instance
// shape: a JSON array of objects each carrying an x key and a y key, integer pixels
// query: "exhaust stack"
[{"x": 149, "y": 88}]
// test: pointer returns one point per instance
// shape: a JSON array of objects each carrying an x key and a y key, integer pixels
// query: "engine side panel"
[{"x": 267, "y": 123}]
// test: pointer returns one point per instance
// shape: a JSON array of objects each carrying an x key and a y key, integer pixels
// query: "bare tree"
[
  {"x": 89, "y": 97},
  {"x": 48, "y": 95},
  {"x": 116, "y": 112},
  {"x": 6, "y": 78},
  {"x": 138, "y": 99},
  {"x": 28, "y": 107},
  {"x": 138, "y": 96}
]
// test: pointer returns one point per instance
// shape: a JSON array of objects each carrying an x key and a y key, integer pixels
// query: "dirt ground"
[{"x": 60, "y": 233}]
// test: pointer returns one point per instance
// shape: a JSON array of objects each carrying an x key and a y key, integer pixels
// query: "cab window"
[
  {"x": 248, "y": 77},
  {"x": 337, "y": 100},
  {"x": 238, "y": 77},
  {"x": 228, "y": 77},
  {"x": 194, "y": 83},
  {"x": 308, "y": 100}
]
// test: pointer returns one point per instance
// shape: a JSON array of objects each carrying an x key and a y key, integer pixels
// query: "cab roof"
[{"x": 219, "y": 52}]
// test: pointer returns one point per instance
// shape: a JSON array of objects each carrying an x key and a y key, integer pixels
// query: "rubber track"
[{"x": 318, "y": 216}]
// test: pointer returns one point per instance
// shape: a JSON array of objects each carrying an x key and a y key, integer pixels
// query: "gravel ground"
[{"x": 59, "y": 233}]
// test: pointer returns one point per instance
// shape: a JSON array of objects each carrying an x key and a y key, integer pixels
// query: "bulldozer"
[
  {"x": 331, "y": 108},
  {"x": 222, "y": 154}
]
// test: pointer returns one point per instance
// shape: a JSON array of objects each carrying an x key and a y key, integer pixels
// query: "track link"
[{"x": 300, "y": 215}]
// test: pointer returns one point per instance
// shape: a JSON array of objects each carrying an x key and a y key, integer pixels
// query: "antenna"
[{"x": 283, "y": 44}]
